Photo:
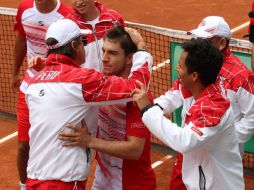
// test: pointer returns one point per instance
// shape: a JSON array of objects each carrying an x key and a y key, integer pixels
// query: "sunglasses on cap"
[{"x": 84, "y": 40}]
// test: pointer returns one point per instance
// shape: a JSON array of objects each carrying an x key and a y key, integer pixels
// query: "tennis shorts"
[
  {"x": 23, "y": 118},
  {"x": 54, "y": 185}
]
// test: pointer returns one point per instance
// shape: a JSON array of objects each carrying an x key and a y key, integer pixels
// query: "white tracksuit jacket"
[
  {"x": 207, "y": 138},
  {"x": 60, "y": 94}
]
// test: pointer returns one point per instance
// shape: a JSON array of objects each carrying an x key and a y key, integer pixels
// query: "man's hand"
[
  {"x": 78, "y": 136},
  {"x": 136, "y": 38},
  {"x": 37, "y": 63},
  {"x": 140, "y": 96}
]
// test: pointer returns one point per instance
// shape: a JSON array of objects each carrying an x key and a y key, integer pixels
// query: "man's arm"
[
  {"x": 180, "y": 139},
  {"x": 22, "y": 159},
  {"x": 245, "y": 97},
  {"x": 171, "y": 100},
  {"x": 252, "y": 58},
  {"x": 19, "y": 55},
  {"x": 132, "y": 148}
]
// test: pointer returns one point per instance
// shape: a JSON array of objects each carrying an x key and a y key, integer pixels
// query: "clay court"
[{"x": 179, "y": 15}]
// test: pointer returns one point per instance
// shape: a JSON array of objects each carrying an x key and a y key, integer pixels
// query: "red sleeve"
[
  {"x": 98, "y": 87},
  {"x": 25, "y": 4},
  {"x": 251, "y": 19},
  {"x": 134, "y": 124},
  {"x": 66, "y": 10},
  {"x": 120, "y": 19}
]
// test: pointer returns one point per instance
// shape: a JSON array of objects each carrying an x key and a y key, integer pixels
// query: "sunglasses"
[{"x": 84, "y": 40}]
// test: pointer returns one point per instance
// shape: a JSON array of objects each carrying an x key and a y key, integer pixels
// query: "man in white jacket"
[
  {"x": 207, "y": 139},
  {"x": 62, "y": 93},
  {"x": 234, "y": 78}
]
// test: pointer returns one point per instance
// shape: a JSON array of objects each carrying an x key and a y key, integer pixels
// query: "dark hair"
[
  {"x": 204, "y": 58},
  {"x": 66, "y": 50},
  {"x": 118, "y": 33}
]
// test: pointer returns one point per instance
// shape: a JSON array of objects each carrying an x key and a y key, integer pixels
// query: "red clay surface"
[{"x": 180, "y": 15}]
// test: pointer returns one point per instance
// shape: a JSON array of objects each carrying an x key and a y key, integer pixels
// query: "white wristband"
[{"x": 22, "y": 186}]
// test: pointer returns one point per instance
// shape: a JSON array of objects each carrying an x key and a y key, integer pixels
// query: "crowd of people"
[{"x": 86, "y": 96}]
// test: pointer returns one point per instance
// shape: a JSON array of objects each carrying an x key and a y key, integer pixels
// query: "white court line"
[
  {"x": 161, "y": 65},
  {"x": 240, "y": 27},
  {"x": 8, "y": 137},
  {"x": 156, "y": 164}
]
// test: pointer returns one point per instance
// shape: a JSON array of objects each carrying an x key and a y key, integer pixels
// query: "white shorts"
[{"x": 102, "y": 182}]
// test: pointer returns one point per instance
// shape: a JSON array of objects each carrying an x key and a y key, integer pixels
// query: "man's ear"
[
  {"x": 74, "y": 45},
  {"x": 222, "y": 43},
  {"x": 194, "y": 76},
  {"x": 129, "y": 59}
]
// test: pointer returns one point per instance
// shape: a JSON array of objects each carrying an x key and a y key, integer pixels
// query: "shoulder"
[
  {"x": 107, "y": 12},
  {"x": 235, "y": 73},
  {"x": 25, "y": 4},
  {"x": 209, "y": 111},
  {"x": 65, "y": 9}
]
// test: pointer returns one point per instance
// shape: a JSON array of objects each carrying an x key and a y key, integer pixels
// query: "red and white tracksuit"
[
  {"x": 60, "y": 94},
  {"x": 207, "y": 138},
  {"x": 33, "y": 24},
  {"x": 116, "y": 123},
  {"x": 108, "y": 19},
  {"x": 236, "y": 82}
]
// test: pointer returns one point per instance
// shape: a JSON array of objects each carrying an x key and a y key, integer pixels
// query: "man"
[
  {"x": 207, "y": 137},
  {"x": 65, "y": 91},
  {"x": 32, "y": 21},
  {"x": 122, "y": 142},
  {"x": 234, "y": 79},
  {"x": 99, "y": 19}
]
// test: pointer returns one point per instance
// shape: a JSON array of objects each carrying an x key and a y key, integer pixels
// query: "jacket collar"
[
  {"x": 209, "y": 91},
  {"x": 56, "y": 59}
]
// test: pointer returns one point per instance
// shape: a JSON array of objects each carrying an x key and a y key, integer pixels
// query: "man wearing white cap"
[
  {"x": 61, "y": 94},
  {"x": 32, "y": 20},
  {"x": 234, "y": 79}
]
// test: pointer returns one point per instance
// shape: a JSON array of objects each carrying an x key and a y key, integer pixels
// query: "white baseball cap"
[
  {"x": 212, "y": 26},
  {"x": 64, "y": 31}
]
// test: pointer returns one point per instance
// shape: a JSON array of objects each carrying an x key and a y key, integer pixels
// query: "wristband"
[
  {"x": 159, "y": 106},
  {"x": 22, "y": 186},
  {"x": 147, "y": 107},
  {"x": 141, "y": 49}
]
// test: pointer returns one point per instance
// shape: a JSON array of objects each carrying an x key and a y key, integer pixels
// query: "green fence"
[{"x": 175, "y": 51}]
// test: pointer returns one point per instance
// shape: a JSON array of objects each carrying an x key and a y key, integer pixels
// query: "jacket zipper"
[
  {"x": 202, "y": 179},
  {"x": 98, "y": 48}
]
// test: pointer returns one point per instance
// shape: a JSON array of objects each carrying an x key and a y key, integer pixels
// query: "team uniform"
[
  {"x": 106, "y": 20},
  {"x": 33, "y": 25},
  {"x": 60, "y": 94},
  {"x": 116, "y": 122},
  {"x": 207, "y": 138},
  {"x": 236, "y": 83}
]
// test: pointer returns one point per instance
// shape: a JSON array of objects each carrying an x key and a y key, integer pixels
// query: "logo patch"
[
  {"x": 42, "y": 92},
  {"x": 137, "y": 125},
  {"x": 40, "y": 23},
  {"x": 196, "y": 130}
]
